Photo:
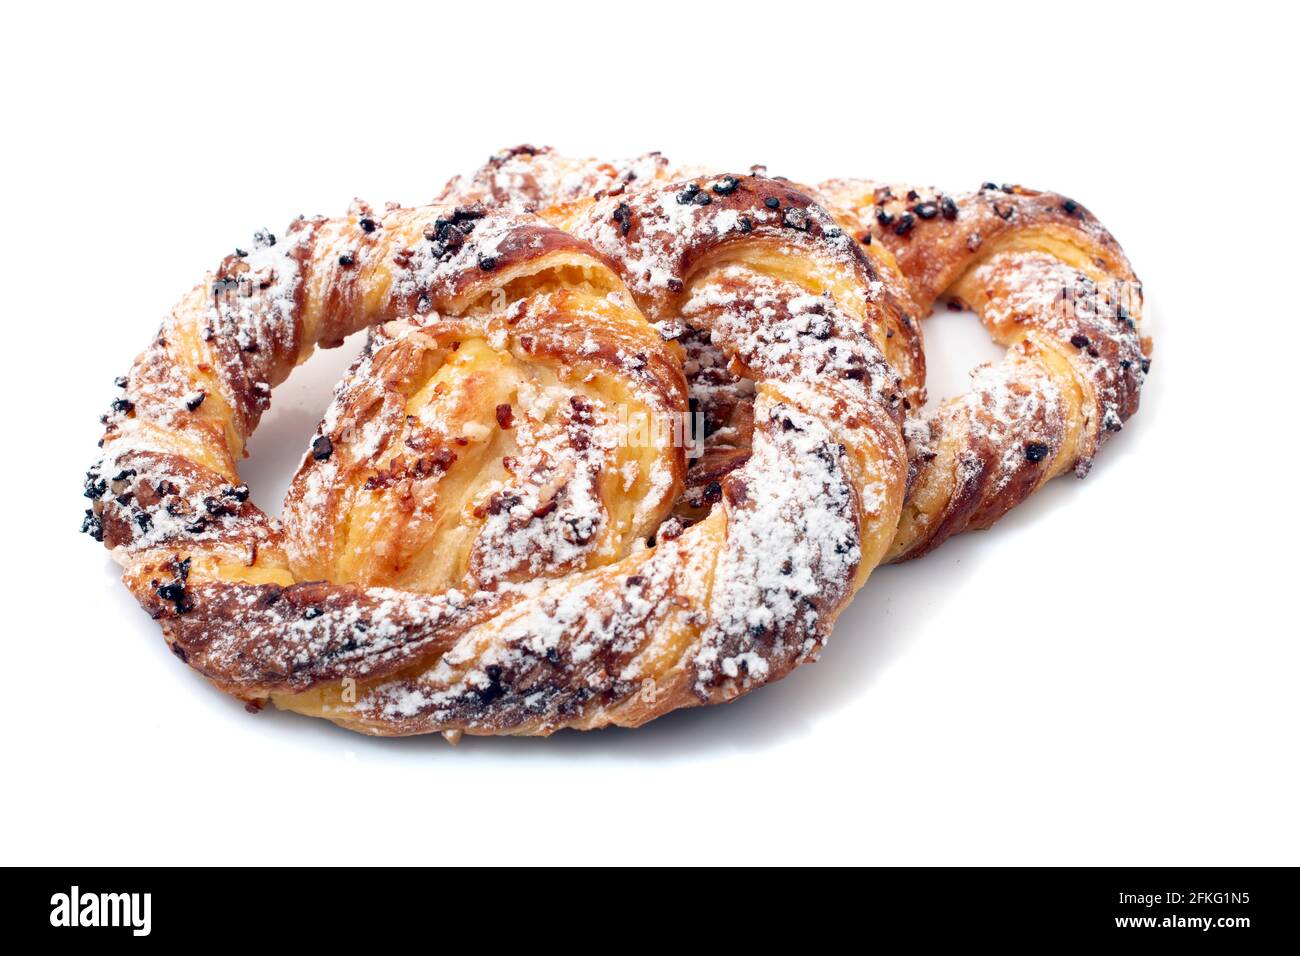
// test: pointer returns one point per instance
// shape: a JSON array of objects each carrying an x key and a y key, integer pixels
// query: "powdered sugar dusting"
[
  {"x": 792, "y": 547},
  {"x": 579, "y": 640},
  {"x": 1096, "y": 322},
  {"x": 778, "y": 329},
  {"x": 549, "y": 516}
]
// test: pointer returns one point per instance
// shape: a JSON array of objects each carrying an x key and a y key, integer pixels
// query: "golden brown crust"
[{"x": 255, "y": 639}]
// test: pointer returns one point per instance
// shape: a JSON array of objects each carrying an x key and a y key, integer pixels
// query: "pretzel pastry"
[
  {"x": 463, "y": 549},
  {"x": 476, "y": 542}
]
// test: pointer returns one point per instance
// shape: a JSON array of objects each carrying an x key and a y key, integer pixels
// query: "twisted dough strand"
[{"x": 1055, "y": 288}]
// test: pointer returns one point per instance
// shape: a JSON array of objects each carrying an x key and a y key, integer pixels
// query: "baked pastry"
[
  {"x": 1048, "y": 281},
  {"x": 462, "y": 549},
  {"x": 473, "y": 543}
]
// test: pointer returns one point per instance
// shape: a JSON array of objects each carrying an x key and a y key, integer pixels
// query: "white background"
[{"x": 1109, "y": 676}]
